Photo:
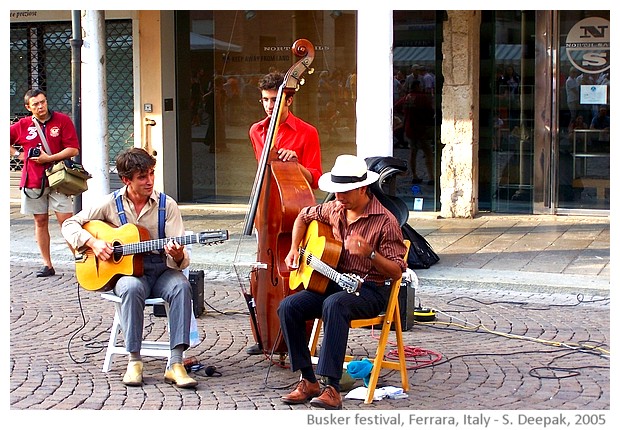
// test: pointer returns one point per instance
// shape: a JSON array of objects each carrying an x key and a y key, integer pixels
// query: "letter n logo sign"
[{"x": 587, "y": 45}]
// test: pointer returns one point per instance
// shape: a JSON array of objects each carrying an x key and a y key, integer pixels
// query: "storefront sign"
[{"x": 587, "y": 45}]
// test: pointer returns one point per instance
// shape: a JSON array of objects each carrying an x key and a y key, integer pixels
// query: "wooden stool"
[{"x": 385, "y": 320}]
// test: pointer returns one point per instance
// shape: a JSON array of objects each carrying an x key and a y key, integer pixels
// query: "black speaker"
[
  {"x": 197, "y": 281},
  {"x": 406, "y": 303}
]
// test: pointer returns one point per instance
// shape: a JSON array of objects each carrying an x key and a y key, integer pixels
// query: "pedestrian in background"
[{"x": 37, "y": 199}]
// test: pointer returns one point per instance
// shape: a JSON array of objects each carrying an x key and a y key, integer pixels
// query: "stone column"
[
  {"x": 94, "y": 95},
  {"x": 459, "y": 128},
  {"x": 374, "y": 96}
]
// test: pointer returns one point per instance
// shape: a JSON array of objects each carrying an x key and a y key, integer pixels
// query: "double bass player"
[
  {"x": 296, "y": 140},
  {"x": 289, "y": 155}
]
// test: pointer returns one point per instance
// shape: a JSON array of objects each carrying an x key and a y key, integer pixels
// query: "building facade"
[{"x": 500, "y": 111}]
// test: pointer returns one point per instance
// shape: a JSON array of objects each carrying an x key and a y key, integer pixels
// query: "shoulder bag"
[{"x": 65, "y": 176}]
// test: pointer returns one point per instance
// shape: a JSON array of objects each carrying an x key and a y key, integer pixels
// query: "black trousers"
[{"x": 337, "y": 308}]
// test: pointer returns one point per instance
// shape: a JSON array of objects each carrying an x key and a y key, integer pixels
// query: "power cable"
[
  {"x": 543, "y": 372},
  {"x": 89, "y": 342}
]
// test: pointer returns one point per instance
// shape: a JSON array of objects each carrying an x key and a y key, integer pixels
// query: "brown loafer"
[
  {"x": 304, "y": 391},
  {"x": 329, "y": 399}
]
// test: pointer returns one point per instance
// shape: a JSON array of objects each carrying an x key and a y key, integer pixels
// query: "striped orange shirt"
[{"x": 377, "y": 225}]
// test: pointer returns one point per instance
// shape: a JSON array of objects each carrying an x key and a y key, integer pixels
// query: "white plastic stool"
[{"x": 149, "y": 348}]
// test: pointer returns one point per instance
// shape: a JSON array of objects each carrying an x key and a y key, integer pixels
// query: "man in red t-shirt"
[
  {"x": 37, "y": 198},
  {"x": 296, "y": 139}
]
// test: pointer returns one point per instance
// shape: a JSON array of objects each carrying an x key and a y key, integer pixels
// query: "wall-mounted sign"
[
  {"x": 593, "y": 94},
  {"x": 587, "y": 45}
]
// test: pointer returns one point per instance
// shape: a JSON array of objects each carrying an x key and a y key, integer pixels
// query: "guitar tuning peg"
[
  {"x": 311, "y": 70},
  {"x": 302, "y": 81}
]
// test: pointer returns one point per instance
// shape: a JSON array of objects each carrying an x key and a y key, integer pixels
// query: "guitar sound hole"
[{"x": 118, "y": 251}]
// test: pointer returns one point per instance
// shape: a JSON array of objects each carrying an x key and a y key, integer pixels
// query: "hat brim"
[{"x": 326, "y": 184}]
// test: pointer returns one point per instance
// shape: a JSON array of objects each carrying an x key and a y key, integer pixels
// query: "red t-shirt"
[
  {"x": 60, "y": 134},
  {"x": 294, "y": 134}
]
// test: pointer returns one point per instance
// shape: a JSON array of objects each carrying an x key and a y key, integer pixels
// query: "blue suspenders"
[
  {"x": 161, "y": 223},
  {"x": 119, "y": 207},
  {"x": 162, "y": 216}
]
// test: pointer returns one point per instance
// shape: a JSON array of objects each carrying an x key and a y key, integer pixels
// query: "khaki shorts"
[{"x": 50, "y": 200}]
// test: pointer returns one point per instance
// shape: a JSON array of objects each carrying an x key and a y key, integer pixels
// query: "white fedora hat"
[{"x": 349, "y": 172}]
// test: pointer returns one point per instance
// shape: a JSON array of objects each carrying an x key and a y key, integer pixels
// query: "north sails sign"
[{"x": 587, "y": 45}]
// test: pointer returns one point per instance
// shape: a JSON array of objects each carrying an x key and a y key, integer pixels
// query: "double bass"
[{"x": 279, "y": 192}]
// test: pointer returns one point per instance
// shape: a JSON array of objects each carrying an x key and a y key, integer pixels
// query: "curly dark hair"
[
  {"x": 271, "y": 81},
  {"x": 134, "y": 160}
]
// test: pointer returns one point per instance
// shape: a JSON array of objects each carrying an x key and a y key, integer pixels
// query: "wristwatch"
[{"x": 372, "y": 255}]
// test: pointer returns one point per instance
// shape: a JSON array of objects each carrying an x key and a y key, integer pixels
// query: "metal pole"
[{"x": 76, "y": 88}]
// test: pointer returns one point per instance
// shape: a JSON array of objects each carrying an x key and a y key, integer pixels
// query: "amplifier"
[
  {"x": 406, "y": 303},
  {"x": 197, "y": 281}
]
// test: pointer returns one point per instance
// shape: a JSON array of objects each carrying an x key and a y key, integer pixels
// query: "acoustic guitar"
[
  {"x": 318, "y": 255},
  {"x": 129, "y": 241}
]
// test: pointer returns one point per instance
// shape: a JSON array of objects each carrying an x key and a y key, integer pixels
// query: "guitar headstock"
[
  {"x": 212, "y": 237},
  {"x": 350, "y": 282}
]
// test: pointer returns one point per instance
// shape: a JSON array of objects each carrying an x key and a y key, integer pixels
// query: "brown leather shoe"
[
  {"x": 304, "y": 391},
  {"x": 329, "y": 399}
]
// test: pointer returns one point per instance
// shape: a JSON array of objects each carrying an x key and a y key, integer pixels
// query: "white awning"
[
  {"x": 406, "y": 56},
  {"x": 198, "y": 42},
  {"x": 409, "y": 55}
]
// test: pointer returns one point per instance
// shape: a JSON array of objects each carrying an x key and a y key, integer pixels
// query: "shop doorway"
[
  {"x": 544, "y": 112},
  {"x": 583, "y": 103},
  {"x": 220, "y": 57}
]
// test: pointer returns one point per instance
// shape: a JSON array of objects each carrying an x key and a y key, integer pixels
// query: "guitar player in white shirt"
[{"x": 162, "y": 277}]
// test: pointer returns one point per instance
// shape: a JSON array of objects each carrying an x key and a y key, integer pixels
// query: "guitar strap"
[{"x": 161, "y": 215}]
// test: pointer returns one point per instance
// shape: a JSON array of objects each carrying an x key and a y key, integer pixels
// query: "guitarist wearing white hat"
[{"x": 372, "y": 249}]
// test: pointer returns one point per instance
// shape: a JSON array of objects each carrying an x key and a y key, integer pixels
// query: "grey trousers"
[{"x": 158, "y": 281}]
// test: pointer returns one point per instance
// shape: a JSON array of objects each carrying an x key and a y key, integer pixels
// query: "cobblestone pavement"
[
  {"x": 523, "y": 325},
  {"x": 499, "y": 350}
]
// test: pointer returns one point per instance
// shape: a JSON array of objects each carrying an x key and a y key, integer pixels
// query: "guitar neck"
[
  {"x": 323, "y": 268},
  {"x": 155, "y": 244}
]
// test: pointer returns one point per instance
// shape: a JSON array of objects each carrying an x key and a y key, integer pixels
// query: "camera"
[{"x": 34, "y": 152}]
